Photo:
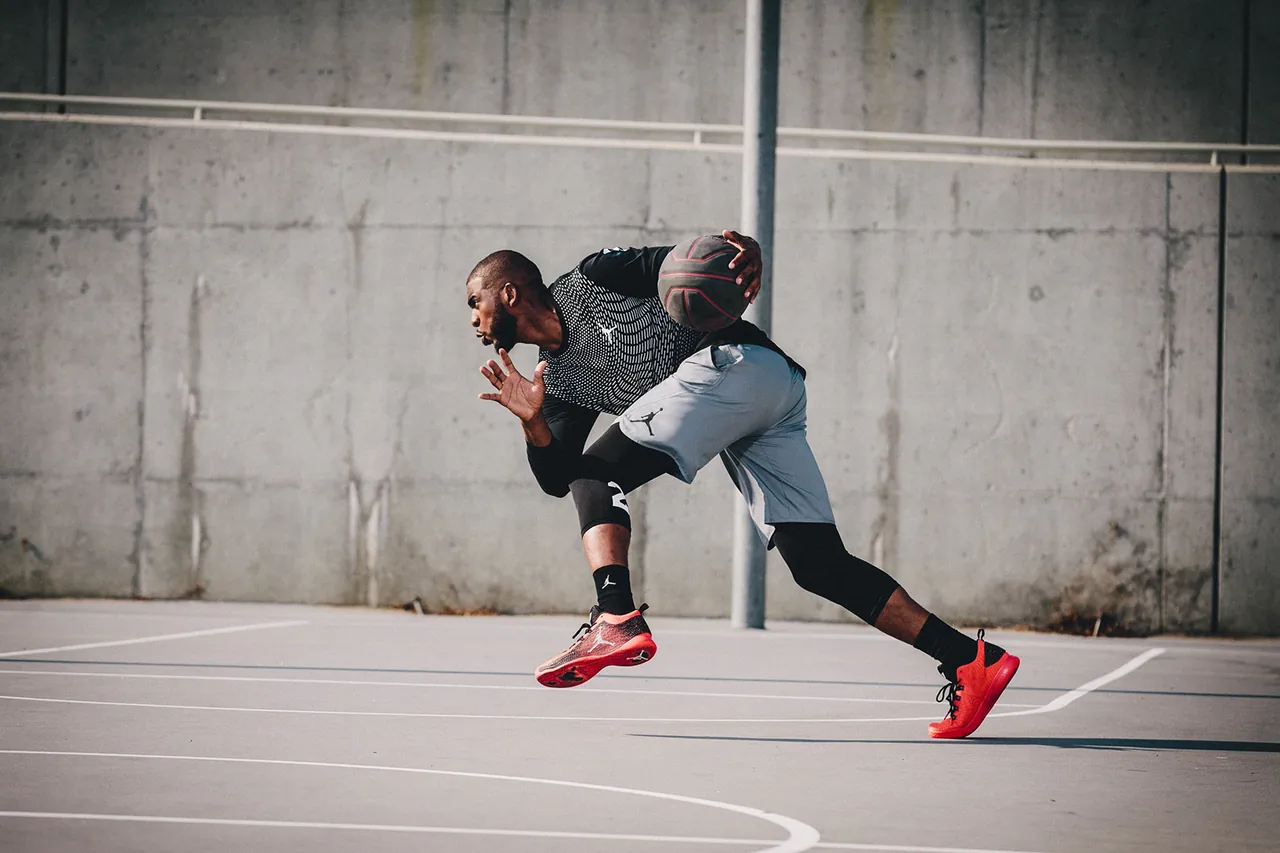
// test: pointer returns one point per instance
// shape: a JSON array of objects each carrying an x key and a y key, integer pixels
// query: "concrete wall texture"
[{"x": 238, "y": 365}]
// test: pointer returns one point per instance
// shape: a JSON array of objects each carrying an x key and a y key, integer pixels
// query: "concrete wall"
[{"x": 236, "y": 365}]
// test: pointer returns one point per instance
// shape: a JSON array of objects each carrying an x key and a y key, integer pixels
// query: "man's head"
[{"x": 501, "y": 289}]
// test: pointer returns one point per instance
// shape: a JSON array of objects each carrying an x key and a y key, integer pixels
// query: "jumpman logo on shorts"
[
  {"x": 608, "y": 333},
  {"x": 646, "y": 419}
]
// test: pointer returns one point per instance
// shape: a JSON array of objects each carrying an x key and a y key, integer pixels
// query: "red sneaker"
[
  {"x": 609, "y": 640},
  {"x": 974, "y": 690}
]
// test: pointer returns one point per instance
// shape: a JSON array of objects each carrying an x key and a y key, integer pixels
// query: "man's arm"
[
  {"x": 634, "y": 272},
  {"x": 554, "y": 431},
  {"x": 631, "y": 272},
  {"x": 555, "y": 463}
]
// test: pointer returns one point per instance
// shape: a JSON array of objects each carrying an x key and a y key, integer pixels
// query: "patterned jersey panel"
[{"x": 615, "y": 347}]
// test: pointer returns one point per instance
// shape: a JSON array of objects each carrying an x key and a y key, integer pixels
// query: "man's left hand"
[{"x": 748, "y": 262}]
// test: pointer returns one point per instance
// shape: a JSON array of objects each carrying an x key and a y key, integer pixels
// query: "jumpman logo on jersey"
[
  {"x": 608, "y": 583},
  {"x": 646, "y": 419},
  {"x": 608, "y": 333}
]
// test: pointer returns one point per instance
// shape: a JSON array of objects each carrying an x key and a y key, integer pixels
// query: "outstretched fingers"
[
  {"x": 493, "y": 373},
  {"x": 506, "y": 360}
]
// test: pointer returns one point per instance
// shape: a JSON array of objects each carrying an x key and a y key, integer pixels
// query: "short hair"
[{"x": 506, "y": 265}]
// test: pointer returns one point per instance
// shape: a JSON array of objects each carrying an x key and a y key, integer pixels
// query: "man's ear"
[{"x": 510, "y": 294}]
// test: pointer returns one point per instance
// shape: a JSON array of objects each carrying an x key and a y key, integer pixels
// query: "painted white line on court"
[
  {"x": 800, "y": 836},
  {"x": 452, "y": 686},
  {"x": 1088, "y": 687},
  {"x": 208, "y": 632},
  {"x": 382, "y": 827},
  {"x": 910, "y": 848},
  {"x": 418, "y": 715},
  {"x": 1055, "y": 705},
  {"x": 510, "y": 833}
]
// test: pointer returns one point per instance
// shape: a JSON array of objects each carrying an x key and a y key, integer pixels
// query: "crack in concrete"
[{"x": 138, "y": 475}]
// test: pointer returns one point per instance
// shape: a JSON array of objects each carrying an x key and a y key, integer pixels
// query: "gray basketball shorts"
[{"x": 747, "y": 404}]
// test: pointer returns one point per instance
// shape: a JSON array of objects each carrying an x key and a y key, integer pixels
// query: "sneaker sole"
[
  {"x": 1004, "y": 674},
  {"x": 633, "y": 652}
]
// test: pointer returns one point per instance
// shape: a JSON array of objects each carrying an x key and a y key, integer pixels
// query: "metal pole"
[
  {"x": 759, "y": 161},
  {"x": 1215, "y": 567}
]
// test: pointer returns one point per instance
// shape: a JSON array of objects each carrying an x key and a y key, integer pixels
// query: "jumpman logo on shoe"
[
  {"x": 608, "y": 583},
  {"x": 600, "y": 641},
  {"x": 608, "y": 333},
  {"x": 639, "y": 657},
  {"x": 646, "y": 420}
]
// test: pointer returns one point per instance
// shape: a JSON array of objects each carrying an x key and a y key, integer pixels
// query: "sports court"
[{"x": 199, "y": 726}]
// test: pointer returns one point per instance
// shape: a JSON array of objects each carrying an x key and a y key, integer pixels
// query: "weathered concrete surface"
[
  {"x": 267, "y": 390},
  {"x": 1250, "y": 450}
]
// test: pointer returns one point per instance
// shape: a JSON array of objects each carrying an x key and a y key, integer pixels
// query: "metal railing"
[{"x": 823, "y": 143}]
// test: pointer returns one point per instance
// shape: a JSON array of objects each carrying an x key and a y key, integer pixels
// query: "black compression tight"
[
  {"x": 819, "y": 562},
  {"x": 613, "y": 466}
]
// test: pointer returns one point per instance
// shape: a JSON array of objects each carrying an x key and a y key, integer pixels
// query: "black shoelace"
[
  {"x": 947, "y": 693},
  {"x": 595, "y": 614},
  {"x": 591, "y": 620}
]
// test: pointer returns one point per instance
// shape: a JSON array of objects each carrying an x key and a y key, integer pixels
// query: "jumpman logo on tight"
[
  {"x": 608, "y": 583},
  {"x": 608, "y": 333},
  {"x": 646, "y": 419}
]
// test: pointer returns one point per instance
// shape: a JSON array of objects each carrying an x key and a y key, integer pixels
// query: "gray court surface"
[{"x": 193, "y": 726}]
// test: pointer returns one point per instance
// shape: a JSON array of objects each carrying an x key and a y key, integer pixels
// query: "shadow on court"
[{"x": 1103, "y": 743}]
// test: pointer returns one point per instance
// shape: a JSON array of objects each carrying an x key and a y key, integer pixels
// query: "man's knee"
[
  {"x": 820, "y": 564},
  {"x": 600, "y": 502},
  {"x": 613, "y": 466}
]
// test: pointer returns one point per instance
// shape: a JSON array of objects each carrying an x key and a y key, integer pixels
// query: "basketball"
[{"x": 696, "y": 286}]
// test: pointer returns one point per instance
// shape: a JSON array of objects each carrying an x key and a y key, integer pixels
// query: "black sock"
[
  {"x": 613, "y": 589},
  {"x": 946, "y": 645}
]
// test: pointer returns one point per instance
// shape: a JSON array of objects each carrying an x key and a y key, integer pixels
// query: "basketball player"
[{"x": 680, "y": 398}]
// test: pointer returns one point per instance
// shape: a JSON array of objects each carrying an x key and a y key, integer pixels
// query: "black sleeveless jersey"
[{"x": 618, "y": 342}]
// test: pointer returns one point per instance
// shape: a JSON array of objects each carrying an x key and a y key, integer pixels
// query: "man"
[{"x": 682, "y": 398}]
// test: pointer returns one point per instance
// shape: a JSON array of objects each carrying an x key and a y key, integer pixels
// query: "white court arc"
[
  {"x": 800, "y": 836},
  {"x": 510, "y": 833}
]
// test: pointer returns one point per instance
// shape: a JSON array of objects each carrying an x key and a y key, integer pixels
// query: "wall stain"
[
  {"x": 138, "y": 474},
  {"x": 878, "y": 20},
  {"x": 423, "y": 13},
  {"x": 884, "y": 530},
  {"x": 188, "y": 521},
  {"x": 29, "y": 547},
  {"x": 1118, "y": 588}
]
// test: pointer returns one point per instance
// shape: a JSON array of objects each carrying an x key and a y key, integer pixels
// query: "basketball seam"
[
  {"x": 697, "y": 275},
  {"x": 685, "y": 291},
  {"x": 717, "y": 253}
]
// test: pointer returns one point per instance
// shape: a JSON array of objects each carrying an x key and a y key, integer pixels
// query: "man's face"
[{"x": 490, "y": 318}]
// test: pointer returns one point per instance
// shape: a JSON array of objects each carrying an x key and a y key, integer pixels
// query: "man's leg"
[
  {"x": 778, "y": 476},
  {"x": 616, "y": 632},
  {"x": 613, "y": 467},
  {"x": 977, "y": 671},
  {"x": 820, "y": 564}
]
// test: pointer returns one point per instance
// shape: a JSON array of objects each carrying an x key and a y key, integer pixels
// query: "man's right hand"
[{"x": 522, "y": 397}]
